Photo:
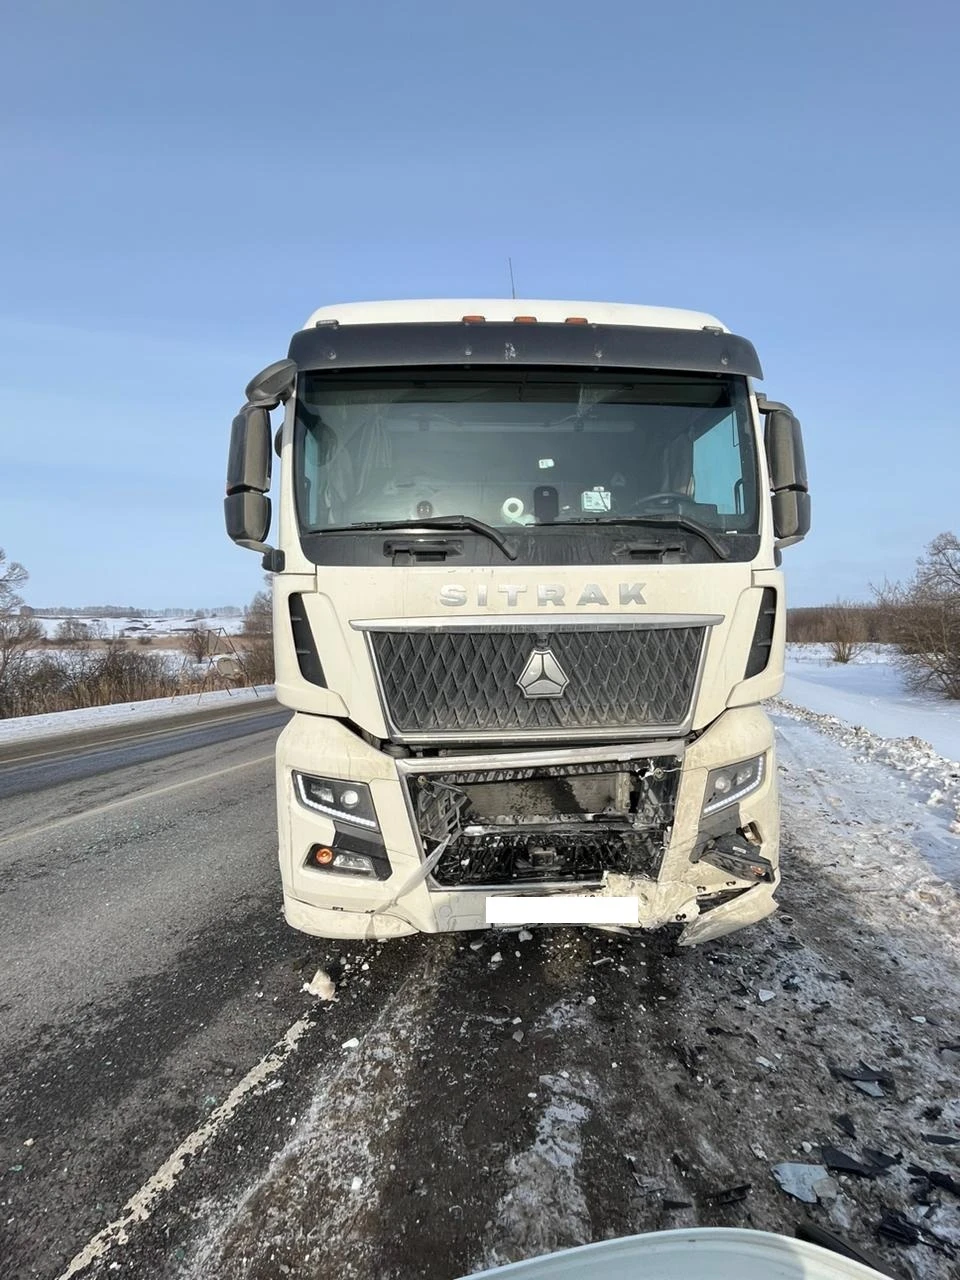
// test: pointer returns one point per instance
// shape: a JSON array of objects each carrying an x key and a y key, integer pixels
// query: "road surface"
[{"x": 174, "y": 1104}]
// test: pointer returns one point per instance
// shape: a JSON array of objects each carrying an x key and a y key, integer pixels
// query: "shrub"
[{"x": 924, "y": 614}]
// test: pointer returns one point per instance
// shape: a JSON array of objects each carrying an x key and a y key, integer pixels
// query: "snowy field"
[
  {"x": 869, "y": 691},
  {"x": 154, "y": 626}
]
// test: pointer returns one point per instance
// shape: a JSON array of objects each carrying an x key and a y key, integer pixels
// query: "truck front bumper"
[{"x": 683, "y": 888}]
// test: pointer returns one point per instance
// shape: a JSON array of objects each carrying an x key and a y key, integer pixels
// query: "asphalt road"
[
  {"x": 173, "y": 1104},
  {"x": 139, "y": 905}
]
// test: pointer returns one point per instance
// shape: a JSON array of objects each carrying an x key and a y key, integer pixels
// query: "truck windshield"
[{"x": 524, "y": 448}]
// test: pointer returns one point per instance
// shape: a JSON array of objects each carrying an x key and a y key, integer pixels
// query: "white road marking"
[
  {"x": 131, "y": 799},
  {"x": 140, "y": 1205}
]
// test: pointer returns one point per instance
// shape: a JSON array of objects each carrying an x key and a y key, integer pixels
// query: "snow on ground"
[
  {"x": 155, "y": 625},
  {"x": 870, "y": 692},
  {"x": 28, "y": 728},
  {"x": 936, "y": 779}
]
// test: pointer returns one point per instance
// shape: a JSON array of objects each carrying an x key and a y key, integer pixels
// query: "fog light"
[
  {"x": 355, "y": 864},
  {"x": 358, "y": 863},
  {"x": 349, "y": 799}
]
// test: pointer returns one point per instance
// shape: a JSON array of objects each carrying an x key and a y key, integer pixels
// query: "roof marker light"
[
  {"x": 576, "y": 320},
  {"x": 524, "y": 319},
  {"x": 473, "y": 319}
]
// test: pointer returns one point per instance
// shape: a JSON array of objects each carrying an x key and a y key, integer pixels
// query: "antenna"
[{"x": 513, "y": 287}]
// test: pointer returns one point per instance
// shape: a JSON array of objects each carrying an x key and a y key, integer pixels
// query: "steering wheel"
[{"x": 667, "y": 496}]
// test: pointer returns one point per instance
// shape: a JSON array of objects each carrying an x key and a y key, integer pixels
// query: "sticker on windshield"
[{"x": 597, "y": 499}]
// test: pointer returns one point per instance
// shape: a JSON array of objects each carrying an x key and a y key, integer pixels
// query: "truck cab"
[{"x": 527, "y": 605}]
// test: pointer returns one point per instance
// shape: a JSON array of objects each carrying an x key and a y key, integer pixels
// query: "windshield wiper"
[
  {"x": 434, "y": 522},
  {"x": 669, "y": 522}
]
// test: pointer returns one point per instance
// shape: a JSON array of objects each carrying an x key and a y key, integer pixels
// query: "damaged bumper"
[{"x": 648, "y": 821}]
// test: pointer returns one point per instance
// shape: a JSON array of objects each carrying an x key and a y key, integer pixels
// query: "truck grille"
[{"x": 462, "y": 682}]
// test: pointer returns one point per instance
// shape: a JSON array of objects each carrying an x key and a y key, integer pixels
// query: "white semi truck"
[{"x": 527, "y": 605}]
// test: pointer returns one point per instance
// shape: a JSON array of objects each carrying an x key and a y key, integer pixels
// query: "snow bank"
[
  {"x": 870, "y": 691},
  {"x": 937, "y": 774},
  {"x": 28, "y": 728}
]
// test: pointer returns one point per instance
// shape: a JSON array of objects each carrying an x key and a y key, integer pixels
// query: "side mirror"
[
  {"x": 247, "y": 517},
  {"x": 783, "y": 441},
  {"x": 247, "y": 507},
  {"x": 791, "y": 516},
  {"x": 273, "y": 384},
  {"x": 249, "y": 460}
]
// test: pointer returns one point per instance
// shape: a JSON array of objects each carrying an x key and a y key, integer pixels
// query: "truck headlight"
[
  {"x": 345, "y": 801},
  {"x": 731, "y": 783}
]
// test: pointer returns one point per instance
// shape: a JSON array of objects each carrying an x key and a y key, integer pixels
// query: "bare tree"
[
  {"x": 72, "y": 631},
  {"x": 19, "y": 633},
  {"x": 258, "y": 615},
  {"x": 924, "y": 614},
  {"x": 199, "y": 643},
  {"x": 848, "y": 631},
  {"x": 255, "y": 650}
]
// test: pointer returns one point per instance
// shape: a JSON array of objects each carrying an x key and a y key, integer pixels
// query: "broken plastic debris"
[
  {"x": 321, "y": 985},
  {"x": 765, "y": 994},
  {"x": 806, "y": 1182},
  {"x": 897, "y": 1226},
  {"x": 356, "y": 1184},
  {"x": 936, "y": 1178},
  {"x": 352, "y": 1043},
  {"x": 28, "y": 1142},
  {"x": 814, "y": 1234},
  {"x": 840, "y": 1162},
  {"x": 729, "y": 1195},
  {"x": 524, "y": 936},
  {"x": 518, "y": 1036},
  {"x": 865, "y": 1078},
  {"x": 869, "y": 1087},
  {"x": 496, "y": 958},
  {"x": 591, "y": 999},
  {"x": 845, "y": 1124},
  {"x": 918, "y": 1018},
  {"x": 880, "y": 1158},
  {"x": 475, "y": 946},
  {"x": 765, "y": 1062}
]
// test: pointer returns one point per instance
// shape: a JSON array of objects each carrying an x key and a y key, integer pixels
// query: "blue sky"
[{"x": 186, "y": 182}]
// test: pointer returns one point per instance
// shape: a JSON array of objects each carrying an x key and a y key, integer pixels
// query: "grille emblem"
[{"x": 543, "y": 676}]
